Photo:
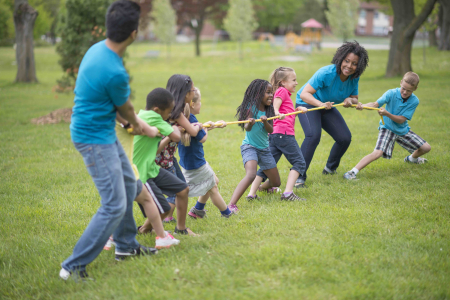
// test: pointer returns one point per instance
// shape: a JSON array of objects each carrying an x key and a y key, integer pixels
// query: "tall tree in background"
[
  {"x": 24, "y": 18},
  {"x": 444, "y": 22},
  {"x": 165, "y": 22},
  {"x": 405, "y": 26},
  {"x": 240, "y": 22},
  {"x": 342, "y": 15},
  {"x": 195, "y": 12},
  {"x": 277, "y": 15}
]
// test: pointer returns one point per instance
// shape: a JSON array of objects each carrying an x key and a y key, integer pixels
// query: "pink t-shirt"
[{"x": 285, "y": 126}]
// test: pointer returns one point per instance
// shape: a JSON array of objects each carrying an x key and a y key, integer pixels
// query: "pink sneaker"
[
  {"x": 166, "y": 242},
  {"x": 233, "y": 208},
  {"x": 169, "y": 220}
]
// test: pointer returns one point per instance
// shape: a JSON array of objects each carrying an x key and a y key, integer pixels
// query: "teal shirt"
[
  {"x": 102, "y": 85},
  {"x": 258, "y": 136},
  {"x": 397, "y": 106},
  {"x": 329, "y": 87}
]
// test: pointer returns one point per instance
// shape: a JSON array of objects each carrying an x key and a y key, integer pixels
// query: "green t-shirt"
[{"x": 145, "y": 147}]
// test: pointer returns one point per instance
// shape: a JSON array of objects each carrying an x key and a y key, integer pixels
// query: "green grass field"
[{"x": 385, "y": 236}]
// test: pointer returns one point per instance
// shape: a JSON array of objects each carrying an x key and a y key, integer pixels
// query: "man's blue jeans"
[{"x": 114, "y": 178}]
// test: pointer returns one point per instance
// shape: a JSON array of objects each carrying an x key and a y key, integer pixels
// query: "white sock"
[
  {"x": 355, "y": 170},
  {"x": 413, "y": 159}
]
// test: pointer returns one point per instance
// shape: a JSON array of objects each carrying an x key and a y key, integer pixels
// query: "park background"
[{"x": 385, "y": 236}]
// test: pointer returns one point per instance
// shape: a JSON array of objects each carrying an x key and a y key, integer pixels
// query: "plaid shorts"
[{"x": 386, "y": 138}]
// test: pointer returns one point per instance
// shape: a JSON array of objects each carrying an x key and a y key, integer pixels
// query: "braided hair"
[
  {"x": 278, "y": 76},
  {"x": 179, "y": 85},
  {"x": 355, "y": 48},
  {"x": 252, "y": 99}
]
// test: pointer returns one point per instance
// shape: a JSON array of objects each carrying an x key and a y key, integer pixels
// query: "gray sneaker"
[
  {"x": 326, "y": 172},
  {"x": 197, "y": 213},
  {"x": 420, "y": 160},
  {"x": 292, "y": 197},
  {"x": 350, "y": 175}
]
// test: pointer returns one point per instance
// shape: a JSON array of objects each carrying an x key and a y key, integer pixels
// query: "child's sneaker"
[
  {"x": 186, "y": 231},
  {"x": 300, "y": 183},
  {"x": 197, "y": 213},
  {"x": 250, "y": 197},
  {"x": 273, "y": 190},
  {"x": 420, "y": 160},
  {"x": 229, "y": 215},
  {"x": 169, "y": 220},
  {"x": 234, "y": 209},
  {"x": 77, "y": 276},
  {"x": 329, "y": 172},
  {"x": 109, "y": 244},
  {"x": 166, "y": 242},
  {"x": 350, "y": 175},
  {"x": 141, "y": 250},
  {"x": 292, "y": 197}
]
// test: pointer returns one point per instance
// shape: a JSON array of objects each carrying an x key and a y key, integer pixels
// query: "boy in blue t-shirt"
[{"x": 401, "y": 104}]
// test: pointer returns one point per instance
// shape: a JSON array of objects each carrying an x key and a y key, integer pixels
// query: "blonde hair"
[
  {"x": 411, "y": 78},
  {"x": 185, "y": 136},
  {"x": 280, "y": 74}
]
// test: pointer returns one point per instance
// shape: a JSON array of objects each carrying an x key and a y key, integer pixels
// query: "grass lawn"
[{"x": 385, "y": 236}]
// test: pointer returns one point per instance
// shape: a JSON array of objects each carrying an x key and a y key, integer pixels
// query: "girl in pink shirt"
[{"x": 282, "y": 140}]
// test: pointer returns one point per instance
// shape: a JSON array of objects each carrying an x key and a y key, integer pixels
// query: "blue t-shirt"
[
  {"x": 397, "y": 106},
  {"x": 102, "y": 84},
  {"x": 329, "y": 87},
  {"x": 258, "y": 136},
  {"x": 192, "y": 157}
]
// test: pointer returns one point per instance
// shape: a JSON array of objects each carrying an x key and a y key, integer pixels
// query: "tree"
[
  {"x": 195, "y": 12},
  {"x": 405, "y": 26},
  {"x": 24, "y": 18},
  {"x": 240, "y": 22},
  {"x": 311, "y": 9},
  {"x": 444, "y": 40},
  {"x": 342, "y": 15},
  {"x": 272, "y": 15},
  {"x": 165, "y": 22}
]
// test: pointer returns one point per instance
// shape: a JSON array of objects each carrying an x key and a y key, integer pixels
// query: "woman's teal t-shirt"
[
  {"x": 258, "y": 136},
  {"x": 329, "y": 87}
]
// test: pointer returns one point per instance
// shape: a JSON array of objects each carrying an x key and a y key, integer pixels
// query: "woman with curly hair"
[{"x": 332, "y": 84}]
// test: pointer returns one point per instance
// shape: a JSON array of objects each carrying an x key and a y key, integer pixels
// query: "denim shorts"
[{"x": 263, "y": 157}]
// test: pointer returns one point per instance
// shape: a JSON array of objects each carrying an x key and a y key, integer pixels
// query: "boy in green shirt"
[{"x": 160, "y": 103}]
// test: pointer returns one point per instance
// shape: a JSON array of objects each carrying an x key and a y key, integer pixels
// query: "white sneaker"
[
  {"x": 420, "y": 160},
  {"x": 166, "y": 242},
  {"x": 109, "y": 244},
  {"x": 64, "y": 274}
]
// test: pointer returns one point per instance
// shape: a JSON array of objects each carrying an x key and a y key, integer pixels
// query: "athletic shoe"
[
  {"x": 109, "y": 244},
  {"x": 184, "y": 231},
  {"x": 292, "y": 197},
  {"x": 77, "y": 276},
  {"x": 350, "y": 175},
  {"x": 250, "y": 198},
  {"x": 229, "y": 215},
  {"x": 273, "y": 190},
  {"x": 325, "y": 172},
  {"x": 300, "y": 183},
  {"x": 233, "y": 208},
  {"x": 141, "y": 250},
  {"x": 169, "y": 220},
  {"x": 166, "y": 242},
  {"x": 420, "y": 160},
  {"x": 197, "y": 213}
]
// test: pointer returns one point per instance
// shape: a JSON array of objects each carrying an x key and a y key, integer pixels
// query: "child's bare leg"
[
  {"x": 203, "y": 199},
  {"x": 250, "y": 174},
  {"x": 255, "y": 185},
  {"x": 274, "y": 177},
  {"x": 425, "y": 148},
  {"x": 169, "y": 214},
  {"x": 181, "y": 203},
  {"x": 153, "y": 216},
  {"x": 216, "y": 198},
  {"x": 292, "y": 177},
  {"x": 376, "y": 154}
]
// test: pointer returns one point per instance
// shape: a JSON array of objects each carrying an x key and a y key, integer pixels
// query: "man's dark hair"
[
  {"x": 346, "y": 49},
  {"x": 122, "y": 18},
  {"x": 179, "y": 85},
  {"x": 160, "y": 98}
]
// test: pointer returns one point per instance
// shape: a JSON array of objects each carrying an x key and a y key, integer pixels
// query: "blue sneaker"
[{"x": 350, "y": 175}]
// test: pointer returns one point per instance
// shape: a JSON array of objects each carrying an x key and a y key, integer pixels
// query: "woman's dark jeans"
[{"x": 334, "y": 124}]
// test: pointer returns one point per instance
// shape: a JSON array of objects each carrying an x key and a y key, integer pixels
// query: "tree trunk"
[
  {"x": 444, "y": 40},
  {"x": 24, "y": 18},
  {"x": 432, "y": 40},
  {"x": 197, "y": 40},
  {"x": 405, "y": 26}
]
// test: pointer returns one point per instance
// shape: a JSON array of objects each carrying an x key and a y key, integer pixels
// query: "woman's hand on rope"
[
  {"x": 359, "y": 106},
  {"x": 327, "y": 105},
  {"x": 304, "y": 110},
  {"x": 348, "y": 102}
]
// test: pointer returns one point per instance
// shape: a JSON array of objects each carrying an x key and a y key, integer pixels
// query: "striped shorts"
[{"x": 386, "y": 138}]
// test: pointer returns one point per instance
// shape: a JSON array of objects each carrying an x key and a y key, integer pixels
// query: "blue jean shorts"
[{"x": 263, "y": 157}]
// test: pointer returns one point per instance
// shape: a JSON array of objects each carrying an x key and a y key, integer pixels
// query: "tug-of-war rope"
[{"x": 289, "y": 114}]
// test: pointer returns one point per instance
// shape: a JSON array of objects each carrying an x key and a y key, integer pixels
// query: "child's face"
[
  {"x": 165, "y": 113},
  {"x": 268, "y": 96},
  {"x": 406, "y": 89},
  {"x": 195, "y": 107},
  {"x": 190, "y": 94},
  {"x": 291, "y": 82},
  {"x": 349, "y": 64}
]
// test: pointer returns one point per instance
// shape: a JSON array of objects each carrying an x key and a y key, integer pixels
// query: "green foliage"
[
  {"x": 5, "y": 15},
  {"x": 310, "y": 9},
  {"x": 274, "y": 14},
  {"x": 165, "y": 20},
  {"x": 43, "y": 22},
  {"x": 81, "y": 25},
  {"x": 342, "y": 16}
]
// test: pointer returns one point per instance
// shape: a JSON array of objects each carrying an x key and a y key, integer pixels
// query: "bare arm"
[
  {"x": 164, "y": 142},
  {"x": 127, "y": 112},
  {"x": 307, "y": 96},
  {"x": 395, "y": 118},
  {"x": 371, "y": 104},
  {"x": 188, "y": 127},
  {"x": 205, "y": 137},
  {"x": 175, "y": 136},
  {"x": 276, "y": 106},
  {"x": 267, "y": 126}
]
